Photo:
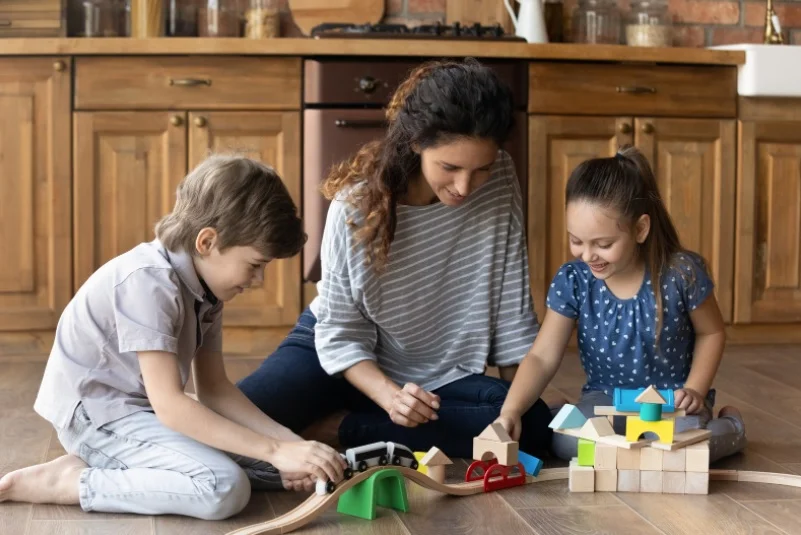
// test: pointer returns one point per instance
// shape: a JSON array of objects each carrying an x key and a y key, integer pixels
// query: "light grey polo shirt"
[{"x": 148, "y": 299}]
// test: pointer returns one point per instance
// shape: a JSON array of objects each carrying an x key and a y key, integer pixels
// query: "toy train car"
[{"x": 361, "y": 458}]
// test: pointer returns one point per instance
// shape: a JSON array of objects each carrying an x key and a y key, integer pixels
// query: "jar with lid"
[
  {"x": 596, "y": 22},
  {"x": 97, "y": 18},
  {"x": 220, "y": 18},
  {"x": 649, "y": 24},
  {"x": 262, "y": 19},
  {"x": 181, "y": 18}
]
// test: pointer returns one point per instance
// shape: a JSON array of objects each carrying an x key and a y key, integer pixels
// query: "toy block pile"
[{"x": 674, "y": 463}]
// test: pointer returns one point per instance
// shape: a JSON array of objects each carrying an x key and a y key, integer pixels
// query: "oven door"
[{"x": 329, "y": 137}]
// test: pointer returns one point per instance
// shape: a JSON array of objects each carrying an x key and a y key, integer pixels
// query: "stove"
[{"x": 401, "y": 31}]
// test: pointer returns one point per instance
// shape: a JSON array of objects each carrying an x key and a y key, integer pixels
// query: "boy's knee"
[{"x": 228, "y": 495}]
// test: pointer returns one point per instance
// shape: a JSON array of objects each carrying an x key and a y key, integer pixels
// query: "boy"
[{"x": 114, "y": 383}]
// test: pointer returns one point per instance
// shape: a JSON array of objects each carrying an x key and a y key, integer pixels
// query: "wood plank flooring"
[{"x": 763, "y": 381}]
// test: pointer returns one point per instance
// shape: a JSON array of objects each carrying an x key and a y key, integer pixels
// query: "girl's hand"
[
  {"x": 315, "y": 459},
  {"x": 689, "y": 400},
  {"x": 412, "y": 406},
  {"x": 512, "y": 423}
]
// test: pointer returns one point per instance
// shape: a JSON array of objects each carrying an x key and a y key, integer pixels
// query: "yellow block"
[
  {"x": 636, "y": 427},
  {"x": 420, "y": 468}
]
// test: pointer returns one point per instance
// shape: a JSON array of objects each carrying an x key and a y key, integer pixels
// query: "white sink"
[{"x": 769, "y": 70}]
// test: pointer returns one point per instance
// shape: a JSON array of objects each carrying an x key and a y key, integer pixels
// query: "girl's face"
[
  {"x": 454, "y": 169},
  {"x": 599, "y": 239}
]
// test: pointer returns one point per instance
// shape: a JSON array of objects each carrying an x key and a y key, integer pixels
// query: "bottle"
[
  {"x": 649, "y": 24},
  {"x": 262, "y": 19}
]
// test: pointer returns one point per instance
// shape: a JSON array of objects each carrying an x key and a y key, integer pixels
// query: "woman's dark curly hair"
[{"x": 439, "y": 102}]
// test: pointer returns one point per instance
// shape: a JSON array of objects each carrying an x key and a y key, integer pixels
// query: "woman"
[{"x": 424, "y": 280}]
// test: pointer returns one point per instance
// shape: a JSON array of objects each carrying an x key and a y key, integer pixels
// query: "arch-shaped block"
[{"x": 635, "y": 427}]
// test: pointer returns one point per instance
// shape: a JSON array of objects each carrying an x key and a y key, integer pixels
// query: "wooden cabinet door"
[
  {"x": 127, "y": 167},
  {"x": 768, "y": 250},
  {"x": 36, "y": 270},
  {"x": 558, "y": 144},
  {"x": 273, "y": 138},
  {"x": 694, "y": 164}
]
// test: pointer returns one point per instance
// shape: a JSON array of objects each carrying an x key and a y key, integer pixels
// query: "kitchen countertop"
[{"x": 292, "y": 46}]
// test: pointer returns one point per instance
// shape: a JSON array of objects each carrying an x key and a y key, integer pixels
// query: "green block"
[
  {"x": 650, "y": 412},
  {"x": 586, "y": 452},
  {"x": 385, "y": 488}
]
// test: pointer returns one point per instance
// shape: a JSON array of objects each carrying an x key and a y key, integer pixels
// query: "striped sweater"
[{"x": 454, "y": 296}]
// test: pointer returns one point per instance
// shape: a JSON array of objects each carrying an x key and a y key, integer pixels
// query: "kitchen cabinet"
[{"x": 36, "y": 271}]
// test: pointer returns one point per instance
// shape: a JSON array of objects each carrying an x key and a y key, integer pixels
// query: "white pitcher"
[{"x": 530, "y": 21}]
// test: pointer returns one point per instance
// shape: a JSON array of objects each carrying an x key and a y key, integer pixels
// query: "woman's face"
[{"x": 456, "y": 168}]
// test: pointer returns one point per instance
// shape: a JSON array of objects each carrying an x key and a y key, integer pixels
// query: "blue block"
[
  {"x": 568, "y": 417},
  {"x": 624, "y": 399},
  {"x": 531, "y": 464}
]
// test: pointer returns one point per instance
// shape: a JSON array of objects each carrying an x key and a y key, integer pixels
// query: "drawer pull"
[
  {"x": 635, "y": 89},
  {"x": 5, "y": 23},
  {"x": 624, "y": 128},
  {"x": 190, "y": 82},
  {"x": 648, "y": 128}
]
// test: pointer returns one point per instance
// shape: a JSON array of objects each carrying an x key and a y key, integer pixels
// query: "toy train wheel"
[
  {"x": 362, "y": 466},
  {"x": 396, "y": 460},
  {"x": 414, "y": 465},
  {"x": 348, "y": 473},
  {"x": 330, "y": 487},
  {"x": 382, "y": 460}
]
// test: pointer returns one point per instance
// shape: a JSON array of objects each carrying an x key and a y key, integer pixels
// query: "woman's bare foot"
[
  {"x": 53, "y": 482},
  {"x": 728, "y": 410},
  {"x": 326, "y": 430}
]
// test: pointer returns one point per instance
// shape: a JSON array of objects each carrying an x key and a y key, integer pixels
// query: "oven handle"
[{"x": 363, "y": 123}]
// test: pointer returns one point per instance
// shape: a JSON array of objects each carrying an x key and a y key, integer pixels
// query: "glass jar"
[
  {"x": 219, "y": 18},
  {"x": 99, "y": 18},
  {"x": 262, "y": 19},
  {"x": 649, "y": 24},
  {"x": 596, "y": 22},
  {"x": 147, "y": 18},
  {"x": 181, "y": 18}
]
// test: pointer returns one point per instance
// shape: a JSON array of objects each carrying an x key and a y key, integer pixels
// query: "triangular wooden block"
[
  {"x": 568, "y": 417},
  {"x": 650, "y": 395},
  {"x": 596, "y": 428},
  {"x": 435, "y": 457},
  {"x": 496, "y": 432}
]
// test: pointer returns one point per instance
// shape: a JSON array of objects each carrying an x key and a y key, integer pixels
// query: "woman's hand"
[
  {"x": 512, "y": 423},
  {"x": 311, "y": 458},
  {"x": 412, "y": 406},
  {"x": 688, "y": 399}
]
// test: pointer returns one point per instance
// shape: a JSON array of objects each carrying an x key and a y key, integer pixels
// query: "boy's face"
[{"x": 229, "y": 272}]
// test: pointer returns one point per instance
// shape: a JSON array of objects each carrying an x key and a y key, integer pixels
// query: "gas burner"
[{"x": 401, "y": 31}]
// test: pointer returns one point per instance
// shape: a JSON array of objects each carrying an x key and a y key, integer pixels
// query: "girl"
[
  {"x": 631, "y": 332},
  {"x": 424, "y": 281}
]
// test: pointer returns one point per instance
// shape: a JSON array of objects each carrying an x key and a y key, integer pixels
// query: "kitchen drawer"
[
  {"x": 209, "y": 83},
  {"x": 30, "y": 23},
  {"x": 626, "y": 89}
]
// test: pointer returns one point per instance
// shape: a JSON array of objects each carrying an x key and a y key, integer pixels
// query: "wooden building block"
[
  {"x": 673, "y": 482},
  {"x": 684, "y": 439},
  {"x": 664, "y": 429},
  {"x": 674, "y": 461},
  {"x": 586, "y": 452},
  {"x": 496, "y": 432},
  {"x": 651, "y": 481},
  {"x": 650, "y": 395},
  {"x": 437, "y": 473},
  {"x": 651, "y": 459},
  {"x": 580, "y": 478},
  {"x": 628, "y": 459},
  {"x": 568, "y": 417},
  {"x": 505, "y": 452},
  {"x": 606, "y": 457},
  {"x": 628, "y": 480},
  {"x": 595, "y": 428},
  {"x": 696, "y": 482},
  {"x": 605, "y": 480},
  {"x": 697, "y": 457}
]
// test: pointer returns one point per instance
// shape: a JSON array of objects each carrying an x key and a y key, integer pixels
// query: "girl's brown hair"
[
  {"x": 438, "y": 102},
  {"x": 244, "y": 200},
  {"x": 626, "y": 183}
]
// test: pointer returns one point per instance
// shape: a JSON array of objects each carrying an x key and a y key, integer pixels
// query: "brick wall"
[{"x": 696, "y": 22}]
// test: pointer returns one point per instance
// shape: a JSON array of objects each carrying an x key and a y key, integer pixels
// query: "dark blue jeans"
[{"x": 291, "y": 387}]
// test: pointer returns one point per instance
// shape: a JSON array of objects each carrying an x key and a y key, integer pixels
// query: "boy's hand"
[
  {"x": 689, "y": 400},
  {"x": 512, "y": 423},
  {"x": 412, "y": 406},
  {"x": 309, "y": 457}
]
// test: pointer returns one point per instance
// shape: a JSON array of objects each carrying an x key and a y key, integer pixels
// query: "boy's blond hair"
[{"x": 244, "y": 200}]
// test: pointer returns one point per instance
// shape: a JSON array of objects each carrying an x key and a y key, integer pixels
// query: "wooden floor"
[{"x": 763, "y": 381}]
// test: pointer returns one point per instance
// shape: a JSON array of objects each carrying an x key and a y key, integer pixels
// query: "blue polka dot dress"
[{"x": 616, "y": 336}]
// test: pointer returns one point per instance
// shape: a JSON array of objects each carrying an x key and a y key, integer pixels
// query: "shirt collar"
[{"x": 182, "y": 262}]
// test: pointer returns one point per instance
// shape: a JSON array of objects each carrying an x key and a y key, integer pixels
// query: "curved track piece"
[
  {"x": 773, "y": 478},
  {"x": 315, "y": 505}
]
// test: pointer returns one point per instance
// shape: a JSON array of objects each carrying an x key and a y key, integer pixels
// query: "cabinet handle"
[
  {"x": 176, "y": 120},
  {"x": 200, "y": 121},
  {"x": 365, "y": 123},
  {"x": 5, "y": 23},
  {"x": 635, "y": 89},
  {"x": 624, "y": 128},
  {"x": 190, "y": 82},
  {"x": 648, "y": 128},
  {"x": 59, "y": 66}
]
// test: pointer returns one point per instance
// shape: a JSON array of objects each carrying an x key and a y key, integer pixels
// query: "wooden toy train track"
[{"x": 315, "y": 505}]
